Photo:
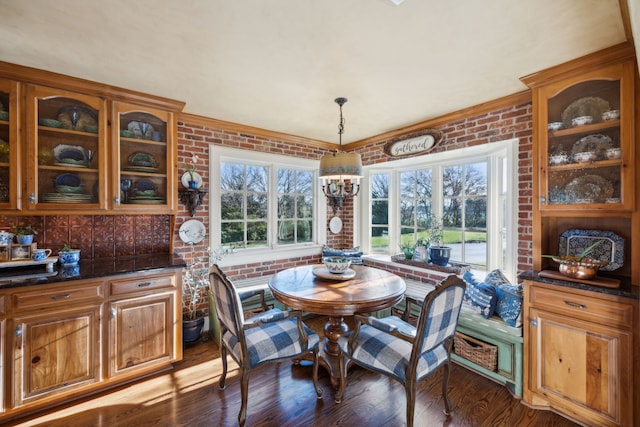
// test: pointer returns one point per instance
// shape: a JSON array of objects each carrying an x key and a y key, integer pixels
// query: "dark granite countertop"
[
  {"x": 626, "y": 289},
  {"x": 87, "y": 269}
]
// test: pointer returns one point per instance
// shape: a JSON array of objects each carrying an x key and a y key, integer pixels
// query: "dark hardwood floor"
[{"x": 281, "y": 394}]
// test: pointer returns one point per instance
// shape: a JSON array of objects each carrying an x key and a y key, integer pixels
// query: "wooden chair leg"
[
  {"x": 244, "y": 395},
  {"x": 445, "y": 384},
  {"x": 316, "y": 364},
  {"x": 223, "y": 377},
  {"x": 410, "y": 391}
]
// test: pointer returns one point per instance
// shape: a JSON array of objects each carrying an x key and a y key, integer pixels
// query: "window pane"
[
  {"x": 305, "y": 206},
  {"x": 232, "y": 233},
  {"x": 257, "y": 178},
  {"x": 305, "y": 233},
  {"x": 286, "y": 231},
  {"x": 380, "y": 212},
  {"x": 257, "y": 206},
  {"x": 231, "y": 206},
  {"x": 475, "y": 248},
  {"x": 406, "y": 212},
  {"x": 380, "y": 239},
  {"x": 407, "y": 184},
  {"x": 256, "y": 234},
  {"x": 286, "y": 206},
  {"x": 379, "y": 186},
  {"x": 424, "y": 183},
  {"x": 452, "y": 181},
  {"x": 305, "y": 182},
  {"x": 286, "y": 181},
  {"x": 452, "y": 216},
  {"x": 231, "y": 176},
  {"x": 476, "y": 213},
  {"x": 475, "y": 179}
]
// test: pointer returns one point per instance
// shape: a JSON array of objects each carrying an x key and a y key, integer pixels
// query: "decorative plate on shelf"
[
  {"x": 588, "y": 106},
  {"x": 597, "y": 143},
  {"x": 140, "y": 129},
  {"x": 142, "y": 159},
  {"x": 145, "y": 188},
  {"x": 77, "y": 117},
  {"x": 588, "y": 189},
  {"x": 140, "y": 169},
  {"x": 611, "y": 248},
  {"x": 187, "y": 177},
  {"x": 70, "y": 155},
  {"x": 192, "y": 231},
  {"x": 68, "y": 179}
]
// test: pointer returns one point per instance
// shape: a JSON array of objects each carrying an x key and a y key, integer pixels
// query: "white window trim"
[
  {"x": 508, "y": 148},
  {"x": 219, "y": 154}
]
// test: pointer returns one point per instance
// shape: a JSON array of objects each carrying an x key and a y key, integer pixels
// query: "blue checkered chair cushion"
[
  {"x": 272, "y": 341},
  {"x": 377, "y": 349}
]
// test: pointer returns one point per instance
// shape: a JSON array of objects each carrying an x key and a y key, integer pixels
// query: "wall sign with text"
[{"x": 420, "y": 144}]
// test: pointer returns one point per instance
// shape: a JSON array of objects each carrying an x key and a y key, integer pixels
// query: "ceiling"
[{"x": 279, "y": 64}]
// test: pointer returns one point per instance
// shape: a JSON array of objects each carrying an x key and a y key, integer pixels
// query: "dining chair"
[
  {"x": 405, "y": 352},
  {"x": 267, "y": 337}
]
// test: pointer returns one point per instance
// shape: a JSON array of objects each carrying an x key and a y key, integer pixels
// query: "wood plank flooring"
[{"x": 281, "y": 394}]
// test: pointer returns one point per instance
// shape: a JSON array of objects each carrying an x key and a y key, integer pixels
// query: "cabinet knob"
[
  {"x": 19, "y": 330},
  {"x": 534, "y": 323},
  {"x": 543, "y": 200},
  {"x": 116, "y": 200},
  {"x": 113, "y": 313},
  {"x": 32, "y": 198}
]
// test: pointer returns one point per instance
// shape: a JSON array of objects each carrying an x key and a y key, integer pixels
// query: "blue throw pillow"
[
  {"x": 509, "y": 306},
  {"x": 354, "y": 254},
  {"x": 496, "y": 278},
  {"x": 482, "y": 296}
]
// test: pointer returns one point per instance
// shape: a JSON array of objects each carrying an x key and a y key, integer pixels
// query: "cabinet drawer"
[
  {"x": 596, "y": 310},
  {"x": 57, "y": 297},
  {"x": 141, "y": 284}
]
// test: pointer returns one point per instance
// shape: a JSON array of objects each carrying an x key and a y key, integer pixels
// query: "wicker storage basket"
[{"x": 476, "y": 351}]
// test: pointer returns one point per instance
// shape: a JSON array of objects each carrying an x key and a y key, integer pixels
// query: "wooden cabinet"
[
  {"x": 143, "y": 159},
  {"x": 63, "y": 341},
  {"x": 55, "y": 353},
  {"x": 67, "y": 151},
  {"x": 142, "y": 326},
  {"x": 10, "y": 150},
  {"x": 72, "y": 144},
  {"x": 578, "y": 350},
  {"x": 596, "y": 190}
]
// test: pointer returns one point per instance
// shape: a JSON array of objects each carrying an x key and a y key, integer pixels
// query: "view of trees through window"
[
  {"x": 245, "y": 192},
  {"x": 460, "y": 202}
]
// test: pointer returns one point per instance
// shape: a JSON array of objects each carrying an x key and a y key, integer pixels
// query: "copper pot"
[{"x": 584, "y": 269}]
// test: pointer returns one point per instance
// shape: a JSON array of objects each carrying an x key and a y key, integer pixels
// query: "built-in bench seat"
[{"x": 495, "y": 331}]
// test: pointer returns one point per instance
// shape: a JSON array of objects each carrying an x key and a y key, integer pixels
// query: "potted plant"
[
  {"x": 408, "y": 249},
  {"x": 67, "y": 256},
  {"x": 438, "y": 252},
  {"x": 195, "y": 284},
  {"x": 24, "y": 234}
]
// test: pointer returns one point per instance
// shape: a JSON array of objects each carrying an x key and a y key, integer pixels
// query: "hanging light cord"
[{"x": 340, "y": 102}]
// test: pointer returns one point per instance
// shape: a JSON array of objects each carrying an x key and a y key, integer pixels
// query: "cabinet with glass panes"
[
  {"x": 67, "y": 161},
  {"x": 143, "y": 159},
  {"x": 584, "y": 142},
  {"x": 9, "y": 147}
]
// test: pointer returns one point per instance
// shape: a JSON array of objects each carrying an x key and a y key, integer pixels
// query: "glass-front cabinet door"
[
  {"x": 143, "y": 159},
  {"x": 67, "y": 161},
  {"x": 585, "y": 142},
  {"x": 9, "y": 147}
]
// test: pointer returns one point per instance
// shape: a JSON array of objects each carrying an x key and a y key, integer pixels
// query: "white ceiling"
[{"x": 279, "y": 64}]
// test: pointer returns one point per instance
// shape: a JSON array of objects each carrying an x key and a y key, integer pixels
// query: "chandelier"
[{"x": 340, "y": 172}]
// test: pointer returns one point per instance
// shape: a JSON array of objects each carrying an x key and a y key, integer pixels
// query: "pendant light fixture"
[{"x": 340, "y": 172}]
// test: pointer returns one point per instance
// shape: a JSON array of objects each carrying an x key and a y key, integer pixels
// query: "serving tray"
[{"x": 575, "y": 240}]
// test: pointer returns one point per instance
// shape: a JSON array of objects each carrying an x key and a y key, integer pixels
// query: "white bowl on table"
[{"x": 337, "y": 264}]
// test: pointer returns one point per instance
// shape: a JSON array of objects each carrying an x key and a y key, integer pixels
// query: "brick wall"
[{"x": 499, "y": 125}]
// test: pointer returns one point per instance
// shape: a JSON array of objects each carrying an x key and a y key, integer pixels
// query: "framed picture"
[{"x": 19, "y": 252}]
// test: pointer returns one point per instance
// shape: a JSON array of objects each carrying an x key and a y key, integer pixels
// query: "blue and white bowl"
[
  {"x": 337, "y": 264},
  {"x": 6, "y": 238},
  {"x": 69, "y": 258}
]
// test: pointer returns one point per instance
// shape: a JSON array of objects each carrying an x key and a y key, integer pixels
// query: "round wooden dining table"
[{"x": 370, "y": 290}]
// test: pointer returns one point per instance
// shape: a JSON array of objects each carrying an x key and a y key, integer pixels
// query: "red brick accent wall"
[{"x": 506, "y": 123}]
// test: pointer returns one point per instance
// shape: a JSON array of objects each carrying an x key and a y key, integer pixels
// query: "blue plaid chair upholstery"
[
  {"x": 405, "y": 352},
  {"x": 266, "y": 337}
]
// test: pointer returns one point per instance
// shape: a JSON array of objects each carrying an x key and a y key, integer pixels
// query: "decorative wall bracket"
[{"x": 192, "y": 198}]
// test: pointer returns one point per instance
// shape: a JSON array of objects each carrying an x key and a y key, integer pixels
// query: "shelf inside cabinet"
[{"x": 586, "y": 129}]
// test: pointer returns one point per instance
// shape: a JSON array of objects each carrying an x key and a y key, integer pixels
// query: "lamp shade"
[{"x": 340, "y": 165}]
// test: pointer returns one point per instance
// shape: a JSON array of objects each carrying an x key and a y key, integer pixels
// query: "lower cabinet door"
[
  {"x": 54, "y": 354},
  {"x": 582, "y": 367},
  {"x": 141, "y": 333}
]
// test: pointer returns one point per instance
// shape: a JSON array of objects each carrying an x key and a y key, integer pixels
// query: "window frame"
[
  {"x": 273, "y": 250},
  {"x": 493, "y": 153}
]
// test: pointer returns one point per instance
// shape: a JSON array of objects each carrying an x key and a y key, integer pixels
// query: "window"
[
  {"x": 262, "y": 202},
  {"x": 472, "y": 190}
]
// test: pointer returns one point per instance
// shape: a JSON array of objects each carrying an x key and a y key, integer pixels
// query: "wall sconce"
[
  {"x": 337, "y": 168},
  {"x": 192, "y": 198}
]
